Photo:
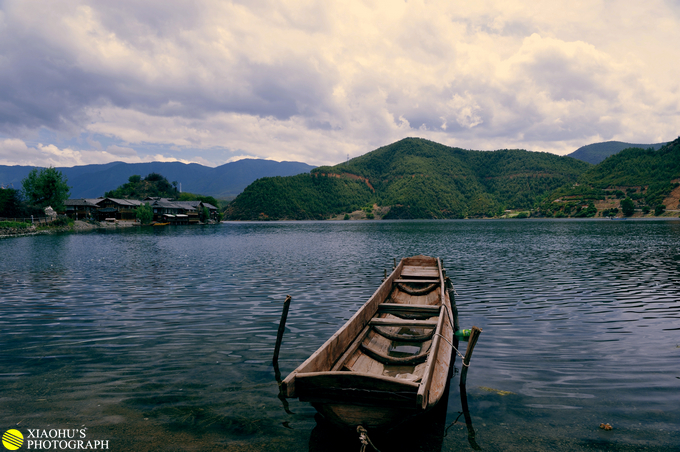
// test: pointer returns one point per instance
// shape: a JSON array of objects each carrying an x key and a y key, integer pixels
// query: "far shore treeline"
[
  {"x": 48, "y": 187},
  {"x": 420, "y": 179}
]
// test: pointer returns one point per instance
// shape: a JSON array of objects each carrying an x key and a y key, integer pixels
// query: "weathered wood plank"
[
  {"x": 419, "y": 308},
  {"x": 363, "y": 363},
  {"x": 440, "y": 375},
  {"x": 423, "y": 391},
  {"x": 352, "y": 348},
  {"x": 419, "y": 272},
  {"x": 404, "y": 322},
  {"x": 357, "y": 380},
  {"x": 419, "y": 281},
  {"x": 399, "y": 297}
]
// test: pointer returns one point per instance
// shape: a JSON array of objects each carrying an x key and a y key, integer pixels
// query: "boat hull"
[
  {"x": 371, "y": 417},
  {"x": 391, "y": 361}
]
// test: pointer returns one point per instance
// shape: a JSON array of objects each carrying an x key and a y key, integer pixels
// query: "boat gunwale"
[
  {"x": 431, "y": 363},
  {"x": 363, "y": 316}
]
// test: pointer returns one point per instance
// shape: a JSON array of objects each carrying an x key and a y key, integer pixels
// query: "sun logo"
[{"x": 12, "y": 439}]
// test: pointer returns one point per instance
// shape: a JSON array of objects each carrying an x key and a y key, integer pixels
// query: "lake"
[{"x": 161, "y": 339}]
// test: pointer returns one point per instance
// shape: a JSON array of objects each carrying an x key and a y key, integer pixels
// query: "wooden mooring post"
[
  {"x": 474, "y": 335},
  {"x": 277, "y": 349},
  {"x": 282, "y": 328}
]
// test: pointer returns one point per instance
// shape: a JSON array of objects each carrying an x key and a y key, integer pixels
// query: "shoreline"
[
  {"x": 366, "y": 220},
  {"x": 78, "y": 226}
]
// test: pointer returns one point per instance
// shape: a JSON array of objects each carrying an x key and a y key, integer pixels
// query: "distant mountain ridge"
[
  {"x": 597, "y": 152},
  {"x": 225, "y": 181}
]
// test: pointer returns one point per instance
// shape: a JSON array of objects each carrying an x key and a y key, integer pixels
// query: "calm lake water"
[{"x": 161, "y": 339}]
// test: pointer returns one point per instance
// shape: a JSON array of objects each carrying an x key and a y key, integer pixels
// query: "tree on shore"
[
  {"x": 627, "y": 207},
  {"x": 137, "y": 188},
  {"x": 46, "y": 187},
  {"x": 144, "y": 213},
  {"x": 10, "y": 203}
]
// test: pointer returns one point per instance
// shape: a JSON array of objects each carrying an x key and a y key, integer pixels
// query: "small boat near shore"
[
  {"x": 161, "y": 224},
  {"x": 392, "y": 360}
]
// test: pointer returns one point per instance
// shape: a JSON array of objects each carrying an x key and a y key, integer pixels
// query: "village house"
[
  {"x": 164, "y": 210},
  {"x": 119, "y": 209},
  {"x": 82, "y": 209}
]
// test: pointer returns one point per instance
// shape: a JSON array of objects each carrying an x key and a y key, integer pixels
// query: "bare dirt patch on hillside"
[{"x": 672, "y": 201}]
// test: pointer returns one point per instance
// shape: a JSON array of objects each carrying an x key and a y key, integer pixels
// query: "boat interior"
[{"x": 396, "y": 341}]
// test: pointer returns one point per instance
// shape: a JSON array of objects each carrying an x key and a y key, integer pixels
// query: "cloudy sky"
[{"x": 94, "y": 81}]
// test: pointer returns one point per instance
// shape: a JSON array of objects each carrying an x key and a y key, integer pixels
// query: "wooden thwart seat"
[
  {"x": 403, "y": 322},
  {"x": 420, "y": 272},
  {"x": 418, "y": 281},
  {"x": 409, "y": 308}
]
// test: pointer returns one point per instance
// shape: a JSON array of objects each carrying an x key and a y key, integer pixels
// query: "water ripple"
[{"x": 577, "y": 316}]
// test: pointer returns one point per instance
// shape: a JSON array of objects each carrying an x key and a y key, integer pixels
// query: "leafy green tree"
[
  {"x": 144, "y": 213},
  {"x": 137, "y": 188},
  {"x": 627, "y": 207},
  {"x": 204, "y": 214},
  {"x": 10, "y": 203},
  {"x": 591, "y": 211},
  {"x": 46, "y": 187},
  {"x": 659, "y": 209}
]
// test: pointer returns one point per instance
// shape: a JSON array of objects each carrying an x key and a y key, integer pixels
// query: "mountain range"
[
  {"x": 597, "y": 152},
  {"x": 225, "y": 181}
]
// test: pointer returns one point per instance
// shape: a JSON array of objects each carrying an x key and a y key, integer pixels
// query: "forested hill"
[
  {"x": 414, "y": 178},
  {"x": 646, "y": 175}
]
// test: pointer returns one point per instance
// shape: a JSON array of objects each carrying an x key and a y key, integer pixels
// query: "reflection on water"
[{"x": 162, "y": 340}]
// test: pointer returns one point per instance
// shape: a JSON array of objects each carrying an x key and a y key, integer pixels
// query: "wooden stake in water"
[
  {"x": 474, "y": 335},
  {"x": 282, "y": 328}
]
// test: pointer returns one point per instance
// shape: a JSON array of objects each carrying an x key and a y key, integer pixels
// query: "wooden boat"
[
  {"x": 161, "y": 224},
  {"x": 391, "y": 360}
]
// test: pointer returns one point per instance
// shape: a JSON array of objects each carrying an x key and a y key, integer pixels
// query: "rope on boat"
[
  {"x": 453, "y": 346},
  {"x": 412, "y": 291},
  {"x": 365, "y": 440},
  {"x": 449, "y": 342}
]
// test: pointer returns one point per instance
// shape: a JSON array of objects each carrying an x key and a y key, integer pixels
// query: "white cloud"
[
  {"x": 121, "y": 151},
  {"x": 315, "y": 81}
]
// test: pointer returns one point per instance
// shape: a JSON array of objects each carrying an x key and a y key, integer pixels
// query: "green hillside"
[
  {"x": 415, "y": 178},
  {"x": 645, "y": 176}
]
